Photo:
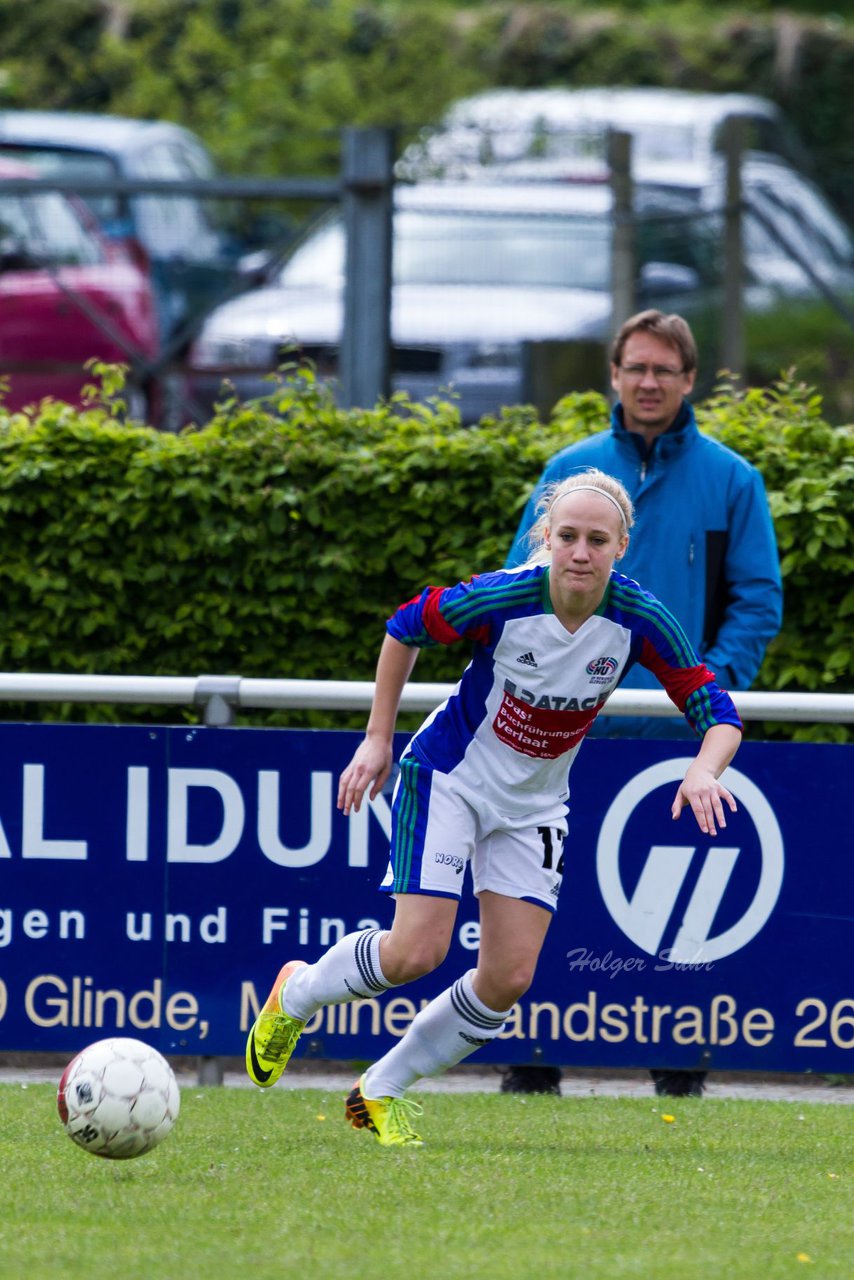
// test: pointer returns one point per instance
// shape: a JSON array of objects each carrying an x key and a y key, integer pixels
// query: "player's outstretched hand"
[
  {"x": 370, "y": 767},
  {"x": 701, "y": 791}
]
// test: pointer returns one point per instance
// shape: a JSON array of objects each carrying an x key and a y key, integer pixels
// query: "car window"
[
  {"x": 759, "y": 133},
  {"x": 52, "y": 162},
  {"x": 486, "y": 249},
  {"x": 46, "y": 224},
  {"x": 60, "y": 231},
  {"x": 673, "y": 227},
  {"x": 192, "y": 161},
  {"x": 650, "y": 142},
  {"x": 319, "y": 261},
  {"x": 759, "y": 238},
  {"x": 687, "y": 241},
  {"x": 172, "y": 226},
  {"x": 533, "y": 250},
  {"x": 659, "y": 141},
  {"x": 794, "y": 198},
  {"x": 14, "y": 223},
  {"x": 542, "y": 139},
  {"x": 792, "y": 230}
]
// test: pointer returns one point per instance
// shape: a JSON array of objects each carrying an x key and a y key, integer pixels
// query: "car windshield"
[
  {"x": 56, "y": 162},
  {"x": 450, "y": 248}
]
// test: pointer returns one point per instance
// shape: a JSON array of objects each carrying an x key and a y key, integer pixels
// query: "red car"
[{"x": 67, "y": 295}]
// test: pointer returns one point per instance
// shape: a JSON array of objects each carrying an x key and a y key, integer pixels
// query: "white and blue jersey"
[{"x": 513, "y": 725}]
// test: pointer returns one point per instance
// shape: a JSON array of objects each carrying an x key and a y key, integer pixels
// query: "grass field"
[{"x": 508, "y": 1187}]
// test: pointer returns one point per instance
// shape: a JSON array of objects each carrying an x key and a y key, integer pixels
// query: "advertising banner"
[{"x": 153, "y": 880}]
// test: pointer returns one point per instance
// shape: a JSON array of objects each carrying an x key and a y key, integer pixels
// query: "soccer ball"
[{"x": 118, "y": 1098}]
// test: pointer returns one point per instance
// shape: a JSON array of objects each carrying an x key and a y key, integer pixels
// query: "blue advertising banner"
[{"x": 152, "y": 881}]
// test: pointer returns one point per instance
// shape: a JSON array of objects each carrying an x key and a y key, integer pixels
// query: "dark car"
[
  {"x": 194, "y": 263},
  {"x": 67, "y": 295}
]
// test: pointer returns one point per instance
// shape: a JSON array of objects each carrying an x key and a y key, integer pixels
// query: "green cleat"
[
  {"x": 274, "y": 1034},
  {"x": 387, "y": 1118}
]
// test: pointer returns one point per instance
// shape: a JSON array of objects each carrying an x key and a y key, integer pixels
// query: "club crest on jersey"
[{"x": 601, "y": 670}]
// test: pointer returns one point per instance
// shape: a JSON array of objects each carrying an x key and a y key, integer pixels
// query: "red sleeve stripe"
[
  {"x": 434, "y": 624},
  {"x": 680, "y": 682}
]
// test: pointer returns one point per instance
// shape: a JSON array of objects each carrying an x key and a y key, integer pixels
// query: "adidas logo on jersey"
[{"x": 527, "y": 659}]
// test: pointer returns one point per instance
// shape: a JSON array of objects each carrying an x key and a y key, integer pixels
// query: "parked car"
[
  {"x": 568, "y": 126},
  {"x": 482, "y": 269},
  {"x": 66, "y": 295},
  {"x": 479, "y": 270},
  {"x": 194, "y": 262}
]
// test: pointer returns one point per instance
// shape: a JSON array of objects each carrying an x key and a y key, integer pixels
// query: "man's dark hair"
[{"x": 670, "y": 329}]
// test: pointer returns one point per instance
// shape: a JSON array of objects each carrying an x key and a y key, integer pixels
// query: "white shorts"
[{"x": 438, "y": 827}]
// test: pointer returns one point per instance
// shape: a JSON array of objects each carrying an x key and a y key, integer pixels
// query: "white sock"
[
  {"x": 450, "y": 1028},
  {"x": 350, "y": 970}
]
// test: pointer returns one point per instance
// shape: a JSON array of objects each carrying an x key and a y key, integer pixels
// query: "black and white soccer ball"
[{"x": 118, "y": 1098}]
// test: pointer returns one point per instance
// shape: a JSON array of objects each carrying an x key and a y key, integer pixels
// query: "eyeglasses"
[{"x": 660, "y": 372}]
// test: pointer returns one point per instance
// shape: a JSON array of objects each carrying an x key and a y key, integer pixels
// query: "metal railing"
[{"x": 221, "y": 696}]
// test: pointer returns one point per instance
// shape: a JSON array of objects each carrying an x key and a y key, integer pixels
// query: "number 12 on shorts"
[{"x": 551, "y": 836}]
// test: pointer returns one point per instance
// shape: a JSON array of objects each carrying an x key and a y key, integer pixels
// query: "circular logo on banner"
[{"x": 647, "y": 916}]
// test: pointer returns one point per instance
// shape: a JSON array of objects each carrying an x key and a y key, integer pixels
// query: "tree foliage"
[{"x": 269, "y": 86}]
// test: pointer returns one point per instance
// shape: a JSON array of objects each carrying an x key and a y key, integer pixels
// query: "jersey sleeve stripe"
[
  {"x": 481, "y": 598},
  {"x": 700, "y": 705},
  {"x": 633, "y": 602}
]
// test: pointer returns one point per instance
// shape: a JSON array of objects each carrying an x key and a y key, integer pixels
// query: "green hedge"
[{"x": 275, "y": 541}]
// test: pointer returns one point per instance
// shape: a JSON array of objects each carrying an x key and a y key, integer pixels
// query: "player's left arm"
[
  {"x": 700, "y": 789},
  {"x": 753, "y": 610},
  {"x": 710, "y": 710}
]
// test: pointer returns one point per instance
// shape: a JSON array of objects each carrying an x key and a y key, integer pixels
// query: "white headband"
[{"x": 592, "y": 488}]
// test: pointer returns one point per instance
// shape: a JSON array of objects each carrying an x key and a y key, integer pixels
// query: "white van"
[{"x": 503, "y": 127}]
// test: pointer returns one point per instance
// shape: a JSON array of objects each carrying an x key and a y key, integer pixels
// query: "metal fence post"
[
  {"x": 732, "y": 336},
  {"x": 218, "y": 695},
  {"x": 623, "y": 248},
  {"x": 367, "y": 180}
]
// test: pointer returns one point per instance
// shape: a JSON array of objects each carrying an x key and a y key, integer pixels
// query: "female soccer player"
[{"x": 484, "y": 783}]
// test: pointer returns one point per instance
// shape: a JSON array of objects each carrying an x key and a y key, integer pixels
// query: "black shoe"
[
  {"x": 531, "y": 1080},
  {"x": 679, "y": 1084}
]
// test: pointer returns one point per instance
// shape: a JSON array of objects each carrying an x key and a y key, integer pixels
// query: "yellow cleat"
[
  {"x": 274, "y": 1034},
  {"x": 387, "y": 1118}
]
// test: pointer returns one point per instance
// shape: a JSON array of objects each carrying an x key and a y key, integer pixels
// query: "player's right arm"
[{"x": 371, "y": 764}]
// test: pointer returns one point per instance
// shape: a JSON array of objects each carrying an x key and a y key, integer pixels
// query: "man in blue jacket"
[{"x": 703, "y": 542}]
